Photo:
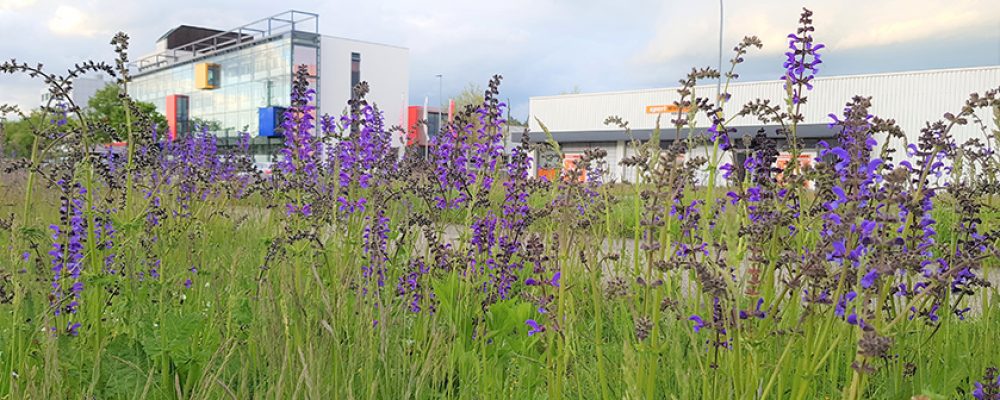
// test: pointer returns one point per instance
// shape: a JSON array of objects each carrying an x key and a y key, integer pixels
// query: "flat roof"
[
  {"x": 186, "y": 34},
  {"x": 365, "y": 41},
  {"x": 742, "y": 83},
  {"x": 205, "y": 43},
  {"x": 804, "y": 131}
]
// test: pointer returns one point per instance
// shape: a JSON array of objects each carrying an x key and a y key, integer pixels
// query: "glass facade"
[
  {"x": 247, "y": 78},
  {"x": 183, "y": 114},
  {"x": 433, "y": 124}
]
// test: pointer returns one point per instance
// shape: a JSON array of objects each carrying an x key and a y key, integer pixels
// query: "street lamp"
[
  {"x": 718, "y": 85},
  {"x": 440, "y": 95},
  {"x": 440, "y": 121}
]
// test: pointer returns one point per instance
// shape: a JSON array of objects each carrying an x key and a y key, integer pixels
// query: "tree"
[
  {"x": 106, "y": 107},
  {"x": 472, "y": 95},
  {"x": 199, "y": 124},
  {"x": 513, "y": 121},
  {"x": 576, "y": 90},
  {"x": 17, "y": 135}
]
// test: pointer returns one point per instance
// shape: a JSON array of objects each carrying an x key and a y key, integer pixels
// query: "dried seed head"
[{"x": 643, "y": 327}]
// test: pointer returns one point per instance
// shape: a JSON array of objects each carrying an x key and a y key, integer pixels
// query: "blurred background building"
[
  {"x": 83, "y": 89},
  {"x": 239, "y": 80},
  {"x": 577, "y": 121}
]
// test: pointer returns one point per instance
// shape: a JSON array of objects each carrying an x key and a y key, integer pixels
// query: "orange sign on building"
[
  {"x": 663, "y": 109},
  {"x": 805, "y": 160},
  {"x": 569, "y": 162}
]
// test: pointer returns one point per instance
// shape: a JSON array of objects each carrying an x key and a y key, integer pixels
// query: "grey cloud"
[{"x": 541, "y": 46}]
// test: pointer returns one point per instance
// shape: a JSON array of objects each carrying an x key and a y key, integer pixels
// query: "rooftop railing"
[{"x": 285, "y": 22}]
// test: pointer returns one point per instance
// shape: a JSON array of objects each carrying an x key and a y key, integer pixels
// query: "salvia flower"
[
  {"x": 535, "y": 327},
  {"x": 989, "y": 387},
  {"x": 802, "y": 58}
]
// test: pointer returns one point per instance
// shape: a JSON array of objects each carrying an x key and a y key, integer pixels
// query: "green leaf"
[{"x": 124, "y": 368}]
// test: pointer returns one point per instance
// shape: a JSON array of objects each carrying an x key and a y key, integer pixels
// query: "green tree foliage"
[
  {"x": 472, "y": 95},
  {"x": 106, "y": 107},
  {"x": 17, "y": 135},
  {"x": 197, "y": 124},
  {"x": 575, "y": 90}
]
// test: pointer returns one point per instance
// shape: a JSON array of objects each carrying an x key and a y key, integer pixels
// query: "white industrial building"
[
  {"x": 914, "y": 98},
  {"x": 386, "y": 68}
]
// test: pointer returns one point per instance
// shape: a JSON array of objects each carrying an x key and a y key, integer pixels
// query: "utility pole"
[
  {"x": 506, "y": 136},
  {"x": 440, "y": 96},
  {"x": 718, "y": 86}
]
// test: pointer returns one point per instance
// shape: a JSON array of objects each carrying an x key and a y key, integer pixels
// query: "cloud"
[
  {"x": 70, "y": 21},
  {"x": 915, "y": 23},
  {"x": 848, "y": 24},
  {"x": 541, "y": 47},
  {"x": 12, "y": 5}
]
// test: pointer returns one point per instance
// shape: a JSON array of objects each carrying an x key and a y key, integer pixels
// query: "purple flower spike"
[
  {"x": 535, "y": 327},
  {"x": 73, "y": 329},
  {"x": 555, "y": 279},
  {"x": 698, "y": 323},
  {"x": 932, "y": 315},
  {"x": 841, "y": 307},
  {"x": 869, "y": 279}
]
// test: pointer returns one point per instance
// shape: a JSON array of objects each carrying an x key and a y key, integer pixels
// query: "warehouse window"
[{"x": 355, "y": 71}]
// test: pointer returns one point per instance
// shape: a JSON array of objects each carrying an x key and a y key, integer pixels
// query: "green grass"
[{"x": 301, "y": 329}]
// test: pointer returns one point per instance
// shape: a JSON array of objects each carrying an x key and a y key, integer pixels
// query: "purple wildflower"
[
  {"x": 698, "y": 323},
  {"x": 535, "y": 327}
]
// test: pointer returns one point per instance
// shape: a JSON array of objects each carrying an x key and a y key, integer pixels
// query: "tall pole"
[
  {"x": 440, "y": 119},
  {"x": 718, "y": 86},
  {"x": 506, "y": 136},
  {"x": 440, "y": 96}
]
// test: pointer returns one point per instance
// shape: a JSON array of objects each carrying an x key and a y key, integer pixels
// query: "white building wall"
[
  {"x": 385, "y": 68},
  {"x": 911, "y": 98},
  {"x": 83, "y": 89}
]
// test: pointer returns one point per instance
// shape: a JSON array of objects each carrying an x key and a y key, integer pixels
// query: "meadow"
[{"x": 176, "y": 270}]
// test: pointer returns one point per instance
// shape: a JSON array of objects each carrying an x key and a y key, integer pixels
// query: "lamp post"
[
  {"x": 440, "y": 96},
  {"x": 440, "y": 107},
  {"x": 718, "y": 86}
]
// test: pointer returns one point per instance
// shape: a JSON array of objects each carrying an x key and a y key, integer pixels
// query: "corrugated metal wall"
[{"x": 911, "y": 98}]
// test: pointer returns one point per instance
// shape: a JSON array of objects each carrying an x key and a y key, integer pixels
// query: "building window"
[
  {"x": 355, "y": 71},
  {"x": 207, "y": 76},
  {"x": 433, "y": 123},
  {"x": 183, "y": 118}
]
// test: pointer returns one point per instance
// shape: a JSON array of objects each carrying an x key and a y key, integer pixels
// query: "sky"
[{"x": 541, "y": 47}]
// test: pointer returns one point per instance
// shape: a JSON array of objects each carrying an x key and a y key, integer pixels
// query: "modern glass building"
[{"x": 240, "y": 80}]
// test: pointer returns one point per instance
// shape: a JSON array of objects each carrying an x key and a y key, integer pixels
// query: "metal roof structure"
[
  {"x": 285, "y": 22},
  {"x": 804, "y": 131},
  {"x": 185, "y": 34},
  {"x": 911, "y": 98}
]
